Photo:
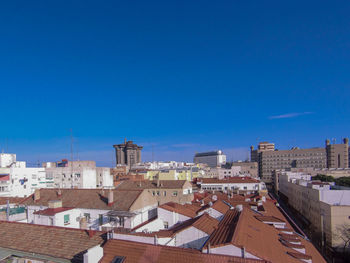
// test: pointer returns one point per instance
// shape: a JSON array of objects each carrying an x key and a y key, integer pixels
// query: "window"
[
  {"x": 158, "y": 193},
  {"x": 166, "y": 225},
  {"x": 164, "y": 193},
  {"x": 175, "y": 193},
  {"x": 153, "y": 193},
  {"x": 87, "y": 216},
  {"x": 121, "y": 221},
  {"x": 66, "y": 219}
]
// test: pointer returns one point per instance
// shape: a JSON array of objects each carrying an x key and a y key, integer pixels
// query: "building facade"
[
  {"x": 327, "y": 210},
  {"x": 128, "y": 153},
  {"x": 337, "y": 154},
  {"x": 212, "y": 159}
]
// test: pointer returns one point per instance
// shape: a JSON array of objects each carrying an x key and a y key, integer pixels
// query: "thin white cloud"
[{"x": 290, "y": 115}]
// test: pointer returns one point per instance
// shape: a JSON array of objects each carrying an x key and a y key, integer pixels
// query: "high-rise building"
[
  {"x": 128, "y": 153},
  {"x": 270, "y": 159},
  {"x": 337, "y": 154},
  {"x": 212, "y": 159}
]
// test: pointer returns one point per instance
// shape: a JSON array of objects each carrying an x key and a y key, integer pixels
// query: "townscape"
[
  {"x": 275, "y": 207},
  {"x": 174, "y": 131}
]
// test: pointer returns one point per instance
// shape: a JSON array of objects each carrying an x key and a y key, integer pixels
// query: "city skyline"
[{"x": 179, "y": 76}]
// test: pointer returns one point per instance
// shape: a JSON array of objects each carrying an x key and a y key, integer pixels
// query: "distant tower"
[
  {"x": 337, "y": 154},
  {"x": 128, "y": 153}
]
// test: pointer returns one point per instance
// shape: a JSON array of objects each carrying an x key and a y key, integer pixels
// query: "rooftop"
[
  {"x": 59, "y": 242},
  {"x": 87, "y": 198},
  {"x": 180, "y": 209},
  {"x": 142, "y": 252}
]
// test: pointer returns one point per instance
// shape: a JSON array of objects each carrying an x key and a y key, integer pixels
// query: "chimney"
[
  {"x": 37, "y": 195},
  {"x": 208, "y": 248},
  {"x": 155, "y": 240},
  {"x": 110, "y": 197},
  {"x": 243, "y": 252},
  {"x": 59, "y": 193}
]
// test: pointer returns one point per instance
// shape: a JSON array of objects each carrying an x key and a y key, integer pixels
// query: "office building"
[{"x": 212, "y": 159}]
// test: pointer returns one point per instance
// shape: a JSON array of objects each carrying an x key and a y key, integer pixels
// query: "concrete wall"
[{"x": 171, "y": 217}]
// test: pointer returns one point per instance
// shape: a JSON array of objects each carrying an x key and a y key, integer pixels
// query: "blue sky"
[{"x": 183, "y": 76}]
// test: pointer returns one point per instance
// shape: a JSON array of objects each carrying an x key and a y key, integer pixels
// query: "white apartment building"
[
  {"x": 233, "y": 184},
  {"x": 326, "y": 209},
  {"x": 16, "y": 179},
  {"x": 212, "y": 159},
  {"x": 79, "y": 174}
]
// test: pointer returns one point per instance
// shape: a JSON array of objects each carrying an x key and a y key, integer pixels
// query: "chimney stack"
[
  {"x": 37, "y": 195},
  {"x": 110, "y": 197},
  {"x": 59, "y": 193}
]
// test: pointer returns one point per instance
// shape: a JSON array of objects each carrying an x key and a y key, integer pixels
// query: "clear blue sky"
[{"x": 183, "y": 76}]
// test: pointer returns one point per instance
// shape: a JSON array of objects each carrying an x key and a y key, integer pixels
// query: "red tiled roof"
[
  {"x": 180, "y": 209},
  {"x": 58, "y": 242},
  {"x": 261, "y": 239},
  {"x": 135, "y": 252},
  {"x": 220, "y": 206},
  {"x": 204, "y": 223},
  {"x": 270, "y": 219},
  {"x": 299, "y": 255},
  {"x": 225, "y": 230},
  {"x": 52, "y": 211},
  {"x": 12, "y": 200},
  {"x": 89, "y": 198}
]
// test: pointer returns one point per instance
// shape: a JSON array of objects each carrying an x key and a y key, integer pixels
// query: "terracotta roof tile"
[
  {"x": 87, "y": 198},
  {"x": 134, "y": 252},
  {"x": 57, "y": 242},
  {"x": 180, "y": 209}
]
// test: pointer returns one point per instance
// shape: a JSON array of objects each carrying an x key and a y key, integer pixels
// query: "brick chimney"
[
  {"x": 110, "y": 197},
  {"x": 37, "y": 195}
]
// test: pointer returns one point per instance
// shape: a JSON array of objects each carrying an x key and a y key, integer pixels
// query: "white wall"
[
  {"x": 171, "y": 217},
  {"x": 191, "y": 238},
  {"x": 93, "y": 254}
]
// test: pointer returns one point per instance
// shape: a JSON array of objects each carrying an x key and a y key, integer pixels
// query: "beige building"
[
  {"x": 164, "y": 191},
  {"x": 326, "y": 209},
  {"x": 337, "y": 154},
  {"x": 270, "y": 159},
  {"x": 246, "y": 168}
]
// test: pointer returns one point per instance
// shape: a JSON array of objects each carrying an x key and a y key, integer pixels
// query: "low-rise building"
[
  {"x": 18, "y": 180},
  {"x": 79, "y": 174},
  {"x": 21, "y": 242},
  {"x": 212, "y": 159},
  {"x": 91, "y": 208},
  {"x": 232, "y": 184},
  {"x": 164, "y": 191},
  {"x": 326, "y": 210}
]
